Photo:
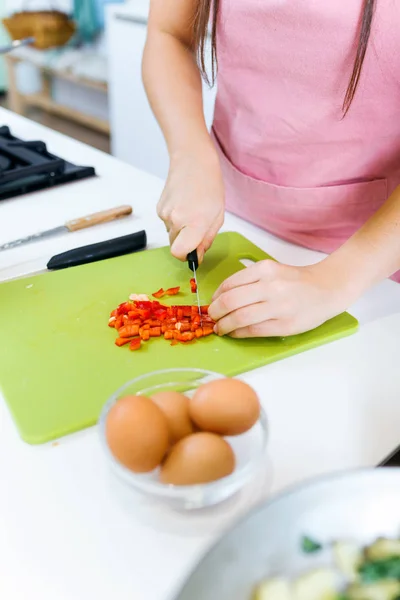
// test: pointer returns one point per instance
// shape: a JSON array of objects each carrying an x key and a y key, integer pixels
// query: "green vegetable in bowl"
[{"x": 371, "y": 573}]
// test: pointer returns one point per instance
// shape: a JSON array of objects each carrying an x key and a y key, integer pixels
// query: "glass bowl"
[{"x": 249, "y": 448}]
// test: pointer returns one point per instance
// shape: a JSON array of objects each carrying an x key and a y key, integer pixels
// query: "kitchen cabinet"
[{"x": 135, "y": 135}]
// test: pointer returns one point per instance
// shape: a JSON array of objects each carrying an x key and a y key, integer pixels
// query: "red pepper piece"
[
  {"x": 145, "y": 334},
  {"x": 144, "y": 313},
  {"x": 161, "y": 314},
  {"x": 128, "y": 331},
  {"x": 111, "y": 321},
  {"x": 187, "y": 311},
  {"x": 168, "y": 335},
  {"x": 182, "y": 327},
  {"x": 155, "y": 331},
  {"x": 143, "y": 304},
  {"x": 119, "y": 322},
  {"x": 193, "y": 285},
  {"x": 135, "y": 344},
  {"x": 199, "y": 332},
  {"x": 171, "y": 311},
  {"x": 173, "y": 291},
  {"x": 179, "y": 314},
  {"x": 174, "y": 343},
  {"x": 163, "y": 328},
  {"x": 122, "y": 341},
  {"x": 204, "y": 309},
  {"x": 160, "y": 293},
  {"x": 124, "y": 308},
  {"x": 133, "y": 322},
  {"x": 133, "y": 314},
  {"x": 207, "y": 331},
  {"x": 114, "y": 313}
]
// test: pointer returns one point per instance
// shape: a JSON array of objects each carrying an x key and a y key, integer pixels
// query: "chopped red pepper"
[
  {"x": 124, "y": 308},
  {"x": 193, "y": 285},
  {"x": 144, "y": 313},
  {"x": 145, "y": 334},
  {"x": 143, "y": 305},
  {"x": 128, "y": 331},
  {"x": 118, "y": 322},
  {"x": 140, "y": 320},
  {"x": 135, "y": 344},
  {"x": 155, "y": 331},
  {"x": 159, "y": 294},
  {"x": 122, "y": 341},
  {"x": 173, "y": 291}
]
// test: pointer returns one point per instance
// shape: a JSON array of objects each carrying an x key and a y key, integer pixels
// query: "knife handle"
[
  {"x": 100, "y": 251},
  {"x": 98, "y": 218},
  {"x": 193, "y": 260}
]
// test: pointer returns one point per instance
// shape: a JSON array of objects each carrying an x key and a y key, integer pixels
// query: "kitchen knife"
[
  {"x": 193, "y": 262},
  {"x": 78, "y": 256},
  {"x": 100, "y": 251},
  {"x": 75, "y": 225}
]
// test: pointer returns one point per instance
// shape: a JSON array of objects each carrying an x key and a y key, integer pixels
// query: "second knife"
[{"x": 82, "y": 223}]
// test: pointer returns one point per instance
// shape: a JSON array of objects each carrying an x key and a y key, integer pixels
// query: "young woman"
[{"x": 305, "y": 143}]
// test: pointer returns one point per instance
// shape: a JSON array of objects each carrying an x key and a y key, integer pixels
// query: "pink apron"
[{"x": 291, "y": 164}]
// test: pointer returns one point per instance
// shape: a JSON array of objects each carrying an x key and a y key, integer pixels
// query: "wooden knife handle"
[{"x": 98, "y": 218}]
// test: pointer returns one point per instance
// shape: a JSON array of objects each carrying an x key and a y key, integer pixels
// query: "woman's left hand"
[{"x": 270, "y": 299}]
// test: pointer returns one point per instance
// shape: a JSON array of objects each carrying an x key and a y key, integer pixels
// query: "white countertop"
[{"x": 70, "y": 532}]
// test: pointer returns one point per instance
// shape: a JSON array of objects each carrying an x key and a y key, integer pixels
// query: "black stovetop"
[{"x": 28, "y": 167}]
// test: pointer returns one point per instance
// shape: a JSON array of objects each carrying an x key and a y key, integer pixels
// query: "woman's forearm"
[
  {"x": 373, "y": 252},
  {"x": 173, "y": 85}
]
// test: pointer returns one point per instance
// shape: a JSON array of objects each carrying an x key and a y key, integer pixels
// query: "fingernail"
[{"x": 216, "y": 329}]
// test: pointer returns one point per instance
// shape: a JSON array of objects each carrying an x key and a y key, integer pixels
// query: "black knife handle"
[
  {"x": 193, "y": 260},
  {"x": 100, "y": 251}
]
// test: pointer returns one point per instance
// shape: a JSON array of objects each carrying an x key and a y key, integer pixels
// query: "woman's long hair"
[{"x": 208, "y": 12}]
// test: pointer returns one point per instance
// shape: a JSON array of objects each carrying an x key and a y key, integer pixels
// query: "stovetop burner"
[
  {"x": 5, "y": 163},
  {"x": 28, "y": 166}
]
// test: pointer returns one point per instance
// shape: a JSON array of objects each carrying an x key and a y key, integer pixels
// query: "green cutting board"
[{"x": 58, "y": 361}]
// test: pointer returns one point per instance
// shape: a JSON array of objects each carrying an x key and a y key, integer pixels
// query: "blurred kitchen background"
[{"x": 83, "y": 76}]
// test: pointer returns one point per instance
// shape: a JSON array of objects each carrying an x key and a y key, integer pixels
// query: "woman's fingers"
[
  {"x": 235, "y": 299},
  {"x": 261, "y": 270},
  {"x": 270, "y": 328},
  {"x": 187, "y": 240},
  {"x": 245, "y": 317}
]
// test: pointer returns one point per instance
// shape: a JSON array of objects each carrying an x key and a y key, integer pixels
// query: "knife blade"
[
  {"x": 75, "y": 225},
  {"x": 193, "y": 262}
]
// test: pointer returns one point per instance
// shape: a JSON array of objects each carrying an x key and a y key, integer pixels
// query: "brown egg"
[
  {"x": 175, "y": 407},
  {"x": 137, "y": 433},
  {"x": 198, "y": 458},
  {"x": 225, "y": 406}
]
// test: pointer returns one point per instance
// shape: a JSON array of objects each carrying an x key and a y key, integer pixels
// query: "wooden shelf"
[{"x": 19, "y": 102}]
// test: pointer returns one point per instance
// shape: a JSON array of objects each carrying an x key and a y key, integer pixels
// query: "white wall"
[{"x": 17, "y": 5}]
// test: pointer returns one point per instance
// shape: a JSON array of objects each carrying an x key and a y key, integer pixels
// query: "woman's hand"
[
  {"x": 192, "y": 204},
  {"x": 270, "y": 299}
]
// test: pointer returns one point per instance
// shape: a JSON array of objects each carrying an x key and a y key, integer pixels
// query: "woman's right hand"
[{"x": 192, "y": 204}]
